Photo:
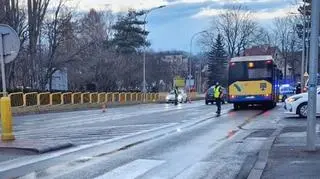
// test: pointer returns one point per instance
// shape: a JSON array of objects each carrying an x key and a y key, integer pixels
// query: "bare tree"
[
  {"x": 37, "y": 10},
  {"x": 236, "y": 26},
  {"x": 56, "y": 30},
  {"x": 285, "y": 34},
  {"x": 261, "y": 36}
]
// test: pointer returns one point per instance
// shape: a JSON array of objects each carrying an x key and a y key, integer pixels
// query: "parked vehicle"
[
  {"x": 182, "y": 96},
  {"x": 298, "y": 104}
]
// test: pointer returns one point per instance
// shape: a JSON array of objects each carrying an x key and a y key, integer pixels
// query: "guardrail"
[
  {"x": 45, "y": 99},
  {"x": 20, "y": 99}
]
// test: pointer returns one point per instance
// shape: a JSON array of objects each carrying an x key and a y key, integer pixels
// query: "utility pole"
[
  {"x": 313, "y": 69},
  {"x": 190, "y": 61},
  {"x": 144, "y": 90},
  {"x": 303, "y": 46}
]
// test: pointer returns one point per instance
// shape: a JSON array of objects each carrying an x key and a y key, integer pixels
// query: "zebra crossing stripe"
[{"x": 131, "y": 170}]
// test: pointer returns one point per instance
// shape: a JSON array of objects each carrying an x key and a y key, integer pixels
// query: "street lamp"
[
  {"x": 189, "y": 58},
  {"x": 144, "y": 90},
  {"x": 304, "y": 59},
  {"x": 313, "y": 68}
]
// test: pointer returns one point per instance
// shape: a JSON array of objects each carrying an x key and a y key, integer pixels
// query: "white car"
[
  {"x": 298, "y": 104},
  {"x": 182, "y": 96}
]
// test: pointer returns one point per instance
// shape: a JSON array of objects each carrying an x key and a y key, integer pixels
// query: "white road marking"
[
  {"x": 317, "y": 128},
  {"x": 32, "y": 175},
  {"x": 23, "y": 161},
  {"x": 131, "y": 170},
  {"x": 200, "y": 170}
]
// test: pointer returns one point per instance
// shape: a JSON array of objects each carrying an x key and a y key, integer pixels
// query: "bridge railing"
[{"x": 20, "y": 99}]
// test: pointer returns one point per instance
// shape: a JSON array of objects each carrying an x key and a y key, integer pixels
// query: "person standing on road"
[
  {"x": 298, "y": 88},
  {"x": 176, "y": 95},
  {"x": 217, "y": 94}
]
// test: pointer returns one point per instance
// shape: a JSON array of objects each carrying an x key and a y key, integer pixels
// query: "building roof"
[
  {"x": 252, "y": 58},
  {"x": 260, "y": 50}
]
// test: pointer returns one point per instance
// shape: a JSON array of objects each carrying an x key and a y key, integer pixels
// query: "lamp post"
[
  {"x": 303, "y": 58},
  {"x": 313, "y": 68},
  {"x": 190, "y": 61},
  {"x": 144, "y": 90}
]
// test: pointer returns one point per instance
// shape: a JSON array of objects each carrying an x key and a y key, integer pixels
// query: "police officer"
[
  {"x": 217, "y": 94},
  {"x": 176, "y": 95},
  {"x": 298, "y": 88}
]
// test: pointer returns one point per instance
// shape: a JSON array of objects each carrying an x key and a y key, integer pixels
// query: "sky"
[{"x": 172, "y": 27}]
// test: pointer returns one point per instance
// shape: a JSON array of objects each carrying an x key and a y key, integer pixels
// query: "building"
[
  {"x": 59, "y": 80},
  {"x": 176, "y": 59}
]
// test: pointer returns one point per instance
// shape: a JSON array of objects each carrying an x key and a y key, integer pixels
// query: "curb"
[
  {"x": 33, "y": 146},
  {"x": 261, "y": 163}
]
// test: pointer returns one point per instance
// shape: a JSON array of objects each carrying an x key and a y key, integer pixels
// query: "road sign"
[
  {"x": 11, "y": 43},
  {"x": 9, "y": 49},
  {"x": 179, "y": 82},
  {"x": 190, "y": 83},
  {"x": 189, "y": 76}
]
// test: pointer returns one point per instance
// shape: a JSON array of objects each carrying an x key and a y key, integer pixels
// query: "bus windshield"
[
  {"x": 258, "y": 73},
  {"x": 237, "y": 72},
  {"x": 240, "y": 71}
]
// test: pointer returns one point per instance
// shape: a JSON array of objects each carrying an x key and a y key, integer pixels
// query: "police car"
[{"x": 286, "y": 91}]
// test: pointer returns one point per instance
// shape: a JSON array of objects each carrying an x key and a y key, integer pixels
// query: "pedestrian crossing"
[
  {"x": 131, "y": 170},
  {"x": 136, "y": 169}
]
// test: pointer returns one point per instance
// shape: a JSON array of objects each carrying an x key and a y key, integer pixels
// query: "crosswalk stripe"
[
  {"x": 200, "y": 170},
  {"x": 131, "y": 170}
]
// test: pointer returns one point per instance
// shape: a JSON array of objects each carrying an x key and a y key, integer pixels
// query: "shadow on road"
[{"x": 298, "y": 118}]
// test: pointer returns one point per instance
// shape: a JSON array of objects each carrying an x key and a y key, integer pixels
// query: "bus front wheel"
[{"x": 236, "y": 106}]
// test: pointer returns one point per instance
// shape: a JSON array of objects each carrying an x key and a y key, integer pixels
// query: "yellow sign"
[{"x": 179, "y": 82}]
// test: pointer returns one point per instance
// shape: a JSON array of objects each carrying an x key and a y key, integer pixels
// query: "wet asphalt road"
[{"x": 213, "y": 147}]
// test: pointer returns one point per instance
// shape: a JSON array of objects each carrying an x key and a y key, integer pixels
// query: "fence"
[{"x": 42, "y": 99}]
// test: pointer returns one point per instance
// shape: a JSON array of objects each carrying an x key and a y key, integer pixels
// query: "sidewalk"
[{"x": 288, "y": 157}]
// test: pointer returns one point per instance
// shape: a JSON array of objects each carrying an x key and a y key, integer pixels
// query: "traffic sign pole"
[
  {"x": 9, "y": 48},
  {"x": 5, "y": 104},
  {"x": 313, "y": 68},
  {"x": 3, "y": 73}
]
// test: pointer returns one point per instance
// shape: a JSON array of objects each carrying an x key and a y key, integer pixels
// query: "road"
[{"x": 145, "y": 141}]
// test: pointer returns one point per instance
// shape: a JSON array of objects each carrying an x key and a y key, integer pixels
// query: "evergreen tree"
[
  {"x": 129, "y": 35},
  {"x": 217, "y": 63}
]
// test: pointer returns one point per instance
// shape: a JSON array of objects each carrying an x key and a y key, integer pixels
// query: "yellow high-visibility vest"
[{"x": 216, "y": 91}]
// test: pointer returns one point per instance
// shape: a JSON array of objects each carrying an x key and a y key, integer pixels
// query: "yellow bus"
[{"x": 253, "y": 80}]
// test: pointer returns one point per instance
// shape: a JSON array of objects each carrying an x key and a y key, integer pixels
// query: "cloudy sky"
[{"x": 172, "y": 27}]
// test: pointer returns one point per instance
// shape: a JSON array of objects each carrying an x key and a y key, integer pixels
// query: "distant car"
[
  {"x": 209, "y": 96},
  {"x": 182, "y": 96},
  {"x": 286, "y": 91},
  {"x": 298, "y": 104}
]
